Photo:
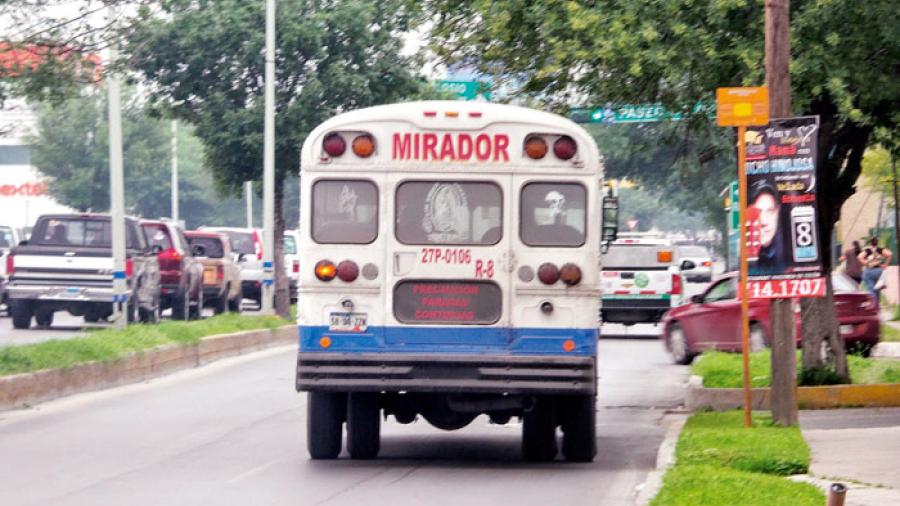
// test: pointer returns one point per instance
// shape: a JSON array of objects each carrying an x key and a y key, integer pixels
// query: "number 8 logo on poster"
[{"x": 804, "y": 234}]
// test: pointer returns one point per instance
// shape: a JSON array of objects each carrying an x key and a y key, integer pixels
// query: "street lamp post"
[
  {"x": 268, "y": 288},
  {"x": 116, "y": 187},
  {"x": 175, "y": 171}
]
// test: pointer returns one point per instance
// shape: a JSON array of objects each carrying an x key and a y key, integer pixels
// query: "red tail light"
[
  {"x": 548, "y": 273},
  {"x": 296, "y": 267},
  {"x": 220, "y": 273},
  {"x": 676, "y": 285},
  {"x": 707, "y": 264},
  {"x": 348, "y": 271},
  {"x": 170, "y": 260},
  {"x": 257, "y": 245},
  {"x": 129, "y": 267},
  {"x": 10, "y": 265}
]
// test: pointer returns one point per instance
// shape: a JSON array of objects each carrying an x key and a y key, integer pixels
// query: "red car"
[
  {"x": 712, "y": 320},
  {"x": 181, "y": 273}
]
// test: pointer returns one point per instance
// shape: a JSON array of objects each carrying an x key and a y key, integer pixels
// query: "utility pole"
[
  {"x": 175, "y": 171},
  {"x": 896, "y": 209},
  {"x": 268, "y": 288},
  {"x": 248, "y": 200},
  {"x": 783, "y": 339},
  {"x": 116, "y": 186}
]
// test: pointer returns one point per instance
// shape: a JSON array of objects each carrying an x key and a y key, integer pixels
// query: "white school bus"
[{"x": 449, "y": 268}]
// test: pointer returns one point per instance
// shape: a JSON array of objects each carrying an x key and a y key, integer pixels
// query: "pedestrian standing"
[
  {"x": 874, "y": 259},
  {"x": 853, "y": 268}
]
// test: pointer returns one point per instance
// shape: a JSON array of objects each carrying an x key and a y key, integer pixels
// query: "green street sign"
[
  {"x": 734, "y": 211},
  {"x": 465, "y": 90},
  {"x": 632, "y": 113}
]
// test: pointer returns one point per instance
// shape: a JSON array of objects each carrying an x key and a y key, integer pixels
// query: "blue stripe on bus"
[{"x": 495, "y": 340}]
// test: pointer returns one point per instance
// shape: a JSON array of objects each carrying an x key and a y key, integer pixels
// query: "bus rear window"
[
  {"x": 447, "y": 302},
  {"x": 449, "y": 212},
  {"x": 553, "y": 214},
  {"x": 344, "y": 212}
]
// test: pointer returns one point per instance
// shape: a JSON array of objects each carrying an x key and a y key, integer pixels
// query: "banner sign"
[{"x": 782, "y": 221}]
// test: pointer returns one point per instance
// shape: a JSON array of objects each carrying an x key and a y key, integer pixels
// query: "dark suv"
[{"x": 181, "y": 274}]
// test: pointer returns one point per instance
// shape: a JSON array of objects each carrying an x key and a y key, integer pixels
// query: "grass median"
[
  {"x": 719, "y": 462},
  {"x": 889, "y": 333},
  {"x": 109, "y": 344},
  {"x": 724, "y": 370}
]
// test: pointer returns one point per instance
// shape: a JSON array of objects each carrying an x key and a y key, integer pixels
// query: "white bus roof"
[{"x": 448, "y": 119}]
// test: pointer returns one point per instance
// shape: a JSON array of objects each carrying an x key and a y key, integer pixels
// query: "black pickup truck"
[{"x": 67, "y": 265}]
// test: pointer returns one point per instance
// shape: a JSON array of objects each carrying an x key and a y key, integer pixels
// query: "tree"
[
  {"x": 204, "y": 61},
  {"x": 844, "y": 69},
  {"x": 71, "y": 148}
]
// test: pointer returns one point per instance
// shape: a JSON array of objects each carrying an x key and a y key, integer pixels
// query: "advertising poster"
[{"x": 782, "y": 229}]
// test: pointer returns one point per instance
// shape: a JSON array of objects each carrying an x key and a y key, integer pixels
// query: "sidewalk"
[{"x": 858, "y": 447}]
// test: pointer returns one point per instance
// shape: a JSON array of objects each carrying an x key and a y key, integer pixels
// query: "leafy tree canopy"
[
  {"x": 72, "y": 149},
  {"x": 205, "y": 63}
]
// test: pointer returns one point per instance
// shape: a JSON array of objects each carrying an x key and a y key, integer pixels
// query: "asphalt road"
[{"x": 234, "y": 433}]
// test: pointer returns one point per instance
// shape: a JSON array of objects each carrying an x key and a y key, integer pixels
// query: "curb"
[
  {"x": 23, "y": 390},
  {"x": 665, "y": 457},
  {"x": 821, "y": 397},
  {"x": 886, "y": 350}
]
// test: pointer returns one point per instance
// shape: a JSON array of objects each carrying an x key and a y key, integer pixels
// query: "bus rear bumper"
[{"x": 397, "y": 372}]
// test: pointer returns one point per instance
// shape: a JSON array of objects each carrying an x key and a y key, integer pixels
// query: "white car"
[
  {"x": 247, "y": 248},
  {"x": 291, "y": 261},
  {"x": 695, "y": 263},
  {"x": 9, "y": 237}
]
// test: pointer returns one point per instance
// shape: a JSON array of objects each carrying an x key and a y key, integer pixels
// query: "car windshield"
[
  {"x": 157, "y": 236},
  {"x": 632, "y": 256},
  {"x": 212, "y": 246},
  {"x": 6, "y": 237},
  {"x": 693, "y": 251},
  {"x": 290, "y": 245},
  {"x": 843, "y": 284},
  {"x": 241, "y": 242},
  {"x": 72, "y": 232}
]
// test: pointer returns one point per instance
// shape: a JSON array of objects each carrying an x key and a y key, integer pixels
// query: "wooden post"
[
  {"x": 742, "y": 283},
  {"x": 783, "y": 339}
]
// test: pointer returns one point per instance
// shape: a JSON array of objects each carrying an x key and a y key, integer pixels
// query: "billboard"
[{"x": 782, "y": 227}]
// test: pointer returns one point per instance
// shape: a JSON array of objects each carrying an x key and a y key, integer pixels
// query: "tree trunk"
[
  {"x": 840, "y": 152},
  {"x": 896, "y": 215},
  {"x": 282, "y": 293}
]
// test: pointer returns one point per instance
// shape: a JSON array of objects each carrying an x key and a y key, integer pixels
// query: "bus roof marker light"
[
  {"x": 535, "y": 147},
  {"x": 565, "y": 148},
  {"x": 430, "y": 114},
  {"x": 363, "y": 145},
  {"x": 474, "y": 114},
  {"x": 334, "y": 145},
  {"x": 325, "y": 270},
  {"x": 451, "y": 114}
]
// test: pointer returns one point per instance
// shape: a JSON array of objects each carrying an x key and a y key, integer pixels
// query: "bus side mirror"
[{"x": 610, "y": 230}]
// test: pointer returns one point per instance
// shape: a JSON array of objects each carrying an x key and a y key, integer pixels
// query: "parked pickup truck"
[{"x": 67, "y": 265}]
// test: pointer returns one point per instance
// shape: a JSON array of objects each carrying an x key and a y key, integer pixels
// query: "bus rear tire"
[
  {"x": 579, "y": 428},
  {"x": 539, "y": 432},
  {"x": 363, "y": 426},
  {"x": 324, "y": 421}
]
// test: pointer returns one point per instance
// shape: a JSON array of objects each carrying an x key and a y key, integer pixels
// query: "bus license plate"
[{"x": 348, "y": 322}]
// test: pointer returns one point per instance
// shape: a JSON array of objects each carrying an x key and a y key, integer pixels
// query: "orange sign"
[{"x": 742, "y": 106}]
